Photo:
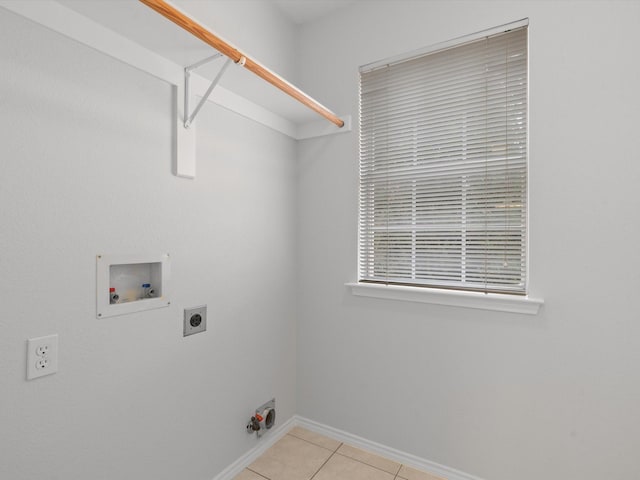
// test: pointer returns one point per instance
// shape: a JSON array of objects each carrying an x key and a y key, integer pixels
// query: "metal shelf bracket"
[{"x": 190, "y": 117}]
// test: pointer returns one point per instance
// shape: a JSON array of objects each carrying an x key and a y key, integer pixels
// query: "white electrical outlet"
[
  {"x": 42, "y": 356},
  {"x": 43, "y": 364},
  {"x": 43, "y": 350}
]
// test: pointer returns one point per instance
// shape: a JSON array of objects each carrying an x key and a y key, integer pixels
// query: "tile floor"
[{"x": 305, "y": 455}]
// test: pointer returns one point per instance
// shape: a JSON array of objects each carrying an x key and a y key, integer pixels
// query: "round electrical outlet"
[{"x": 195, "y": 320}]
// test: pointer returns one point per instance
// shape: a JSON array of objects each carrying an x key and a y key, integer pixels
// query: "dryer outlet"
[{"x": 195, "y": 320}]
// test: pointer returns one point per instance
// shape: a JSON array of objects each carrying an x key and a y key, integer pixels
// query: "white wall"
[
  {"x": 85, "y": 168},
  {"x": 501, "y": 396}
]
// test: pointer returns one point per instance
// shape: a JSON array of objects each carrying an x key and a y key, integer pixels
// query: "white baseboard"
[
  {"x": 267, "y": 440},
  {"x": 388, "y": 452},
  {"x": 401, "y": 457}
]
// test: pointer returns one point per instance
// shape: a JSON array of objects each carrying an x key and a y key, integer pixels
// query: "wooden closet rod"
[{"x": 176, "y": 16}]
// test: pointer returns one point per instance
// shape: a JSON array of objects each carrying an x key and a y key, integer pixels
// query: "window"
[{"x": 443, "y": 166}]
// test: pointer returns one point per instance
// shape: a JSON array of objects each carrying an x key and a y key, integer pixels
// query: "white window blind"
[{"x": 443, "y": 167}]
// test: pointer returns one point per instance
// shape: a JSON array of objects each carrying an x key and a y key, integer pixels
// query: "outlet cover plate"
[
  {"x": 42, "y": 356},
  {"x": 195, "y": 320}
]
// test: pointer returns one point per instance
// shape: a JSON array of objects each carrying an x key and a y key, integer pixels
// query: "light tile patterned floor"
[{"x": 305, "y": 455}]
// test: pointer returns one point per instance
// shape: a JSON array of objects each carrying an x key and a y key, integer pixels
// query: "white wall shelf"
[{"x": 72, "y": 24}]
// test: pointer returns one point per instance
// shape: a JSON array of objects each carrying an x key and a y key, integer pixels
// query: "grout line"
[
  {"x": 321, "y": 466},
  {"x": 309, "y": 441},
  {"x": 334, "y": 452},
  {"x": 352, "y": 458},
  {"x": 372, "y": 466},
  {"x": 259, "y": 474},
  {"x": 429, "y": 467}
]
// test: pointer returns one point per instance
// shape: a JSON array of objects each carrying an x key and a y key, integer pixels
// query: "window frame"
[{"x": 519, "y": 302}]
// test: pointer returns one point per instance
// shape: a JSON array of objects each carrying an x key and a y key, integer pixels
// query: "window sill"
[{"x": 483, "y": 301}]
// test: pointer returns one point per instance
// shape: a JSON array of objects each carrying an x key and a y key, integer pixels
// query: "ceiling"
[{"x": 304, "y": 11}]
